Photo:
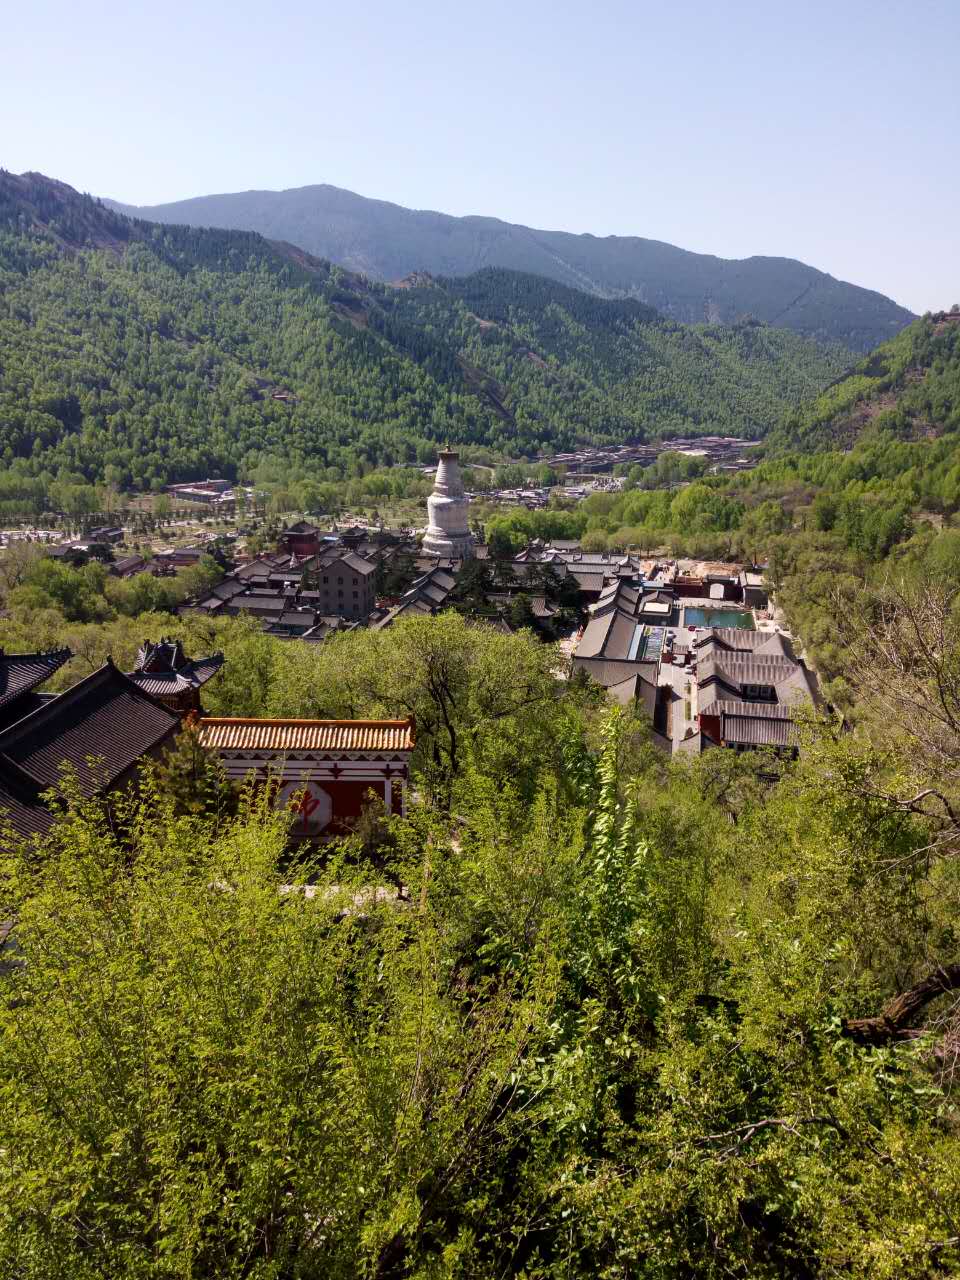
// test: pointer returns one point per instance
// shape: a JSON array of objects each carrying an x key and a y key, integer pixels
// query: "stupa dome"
[{"x": 448, "y": 507}]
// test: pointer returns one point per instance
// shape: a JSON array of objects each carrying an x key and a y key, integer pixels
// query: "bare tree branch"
[
  {"x": 899, "y": 1014},
  {"x": 741, "y": 1134}
]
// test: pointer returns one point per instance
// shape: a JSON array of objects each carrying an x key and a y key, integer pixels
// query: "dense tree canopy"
[{"x": 607, "y": 1025}]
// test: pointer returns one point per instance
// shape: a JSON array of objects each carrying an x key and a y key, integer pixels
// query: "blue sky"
[{"x": 828, "y": 132}]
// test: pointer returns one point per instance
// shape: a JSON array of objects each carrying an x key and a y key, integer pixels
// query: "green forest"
[
  {"x": 137, "y": 355},
  {"x": 585, "y": 1012},
  {"x": 872, "y": 465}
]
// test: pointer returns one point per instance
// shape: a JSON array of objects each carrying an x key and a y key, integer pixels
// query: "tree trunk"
[{"x": 895, "y": 1022}]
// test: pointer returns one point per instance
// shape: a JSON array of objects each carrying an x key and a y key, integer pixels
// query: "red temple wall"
[
  {"x": 710, "y": 725},
  {"x": 328, "y": 805},
  {"x": 303, "y": 544},
  {"x": 349, "y": 798},
  {"x": 347, "y": 802}
]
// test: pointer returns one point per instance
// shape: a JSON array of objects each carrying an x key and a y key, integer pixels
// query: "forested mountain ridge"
[
  {"x": 387, "y": 242},
  {"x": 660, "y": 376},
  {"x": 140, "y": 354},
  {"x": 909, "y": 387},
  {"x": 34, "y": 205}
]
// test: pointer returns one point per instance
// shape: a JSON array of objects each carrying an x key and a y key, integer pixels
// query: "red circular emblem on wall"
[{"x": 311, "y": 805}]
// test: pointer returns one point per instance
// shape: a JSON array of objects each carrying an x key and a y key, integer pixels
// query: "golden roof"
[{"x": 226, "y": 733}]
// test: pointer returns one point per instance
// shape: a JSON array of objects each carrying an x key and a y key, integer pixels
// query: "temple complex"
[
  {"x": 101, "y": 729},
  {"x": 328, "y": 768},
  {"x": 98, "y": 731},
  {"x": 448, "y": 531}
]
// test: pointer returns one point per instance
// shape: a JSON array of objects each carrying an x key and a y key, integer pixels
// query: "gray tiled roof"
[
  {"x": 225, "y": 590},
  {"x": 589, "y": 579},
  {"x": 722, "y": 679},
  {"x": 540, "y": 607},
  {"x": 635, "y": 688},
  {"x": 100, "y": 727},
  {"x": 736, "y": 640},
  {"x": 608, "y": 635},
  {"x": 355, "y": 563},
  {"x": 412, "y": 608},
  {"x": 266, "y": 603},
  {"x": 744, "y": 727},
  {"x": 21, "y": 672},
  {"x": 431, "y": 590},
  {"x": 609, "y": 672},
  {"x": 617, "y": 595},
  {"x": 191, "y": 676},
  {"x": 128, "y": 564}
]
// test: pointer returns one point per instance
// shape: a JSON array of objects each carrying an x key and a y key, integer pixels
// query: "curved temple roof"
[
  {"x": 101, "y": 727},
  {"x": 21, "y": 672}
]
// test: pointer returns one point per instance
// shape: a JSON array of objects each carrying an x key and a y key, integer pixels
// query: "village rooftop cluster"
[
  {"x": 694, "y": 647},
  {"x": 724, "y": 454}
]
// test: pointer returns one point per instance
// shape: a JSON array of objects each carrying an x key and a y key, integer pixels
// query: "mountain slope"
[
  {"x": 141, "y": 353},
  {"x": 387, "y": 242},
  {"x": 909, "y": 387},
  {"x": 617, "y": 359}
]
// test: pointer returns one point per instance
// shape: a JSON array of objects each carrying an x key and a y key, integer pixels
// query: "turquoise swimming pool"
[{"x": 697, "y": 617}]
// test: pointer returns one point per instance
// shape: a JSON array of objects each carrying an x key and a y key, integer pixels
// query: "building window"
[
  {"x": 326, "y": 579},
  {"x": 340, "y": 581},
  {"x": 759, "y": 693},
  {"x": 354, "y": 582}
]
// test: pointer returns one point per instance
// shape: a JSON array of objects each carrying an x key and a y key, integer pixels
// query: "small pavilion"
[{"x": 165, "y": 672}]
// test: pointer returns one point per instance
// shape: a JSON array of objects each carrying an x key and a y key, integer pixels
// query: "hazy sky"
[{"x": 828, "y": 132}]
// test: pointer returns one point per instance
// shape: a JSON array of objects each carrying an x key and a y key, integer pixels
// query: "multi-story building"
[{"x": 345, "y": 585}]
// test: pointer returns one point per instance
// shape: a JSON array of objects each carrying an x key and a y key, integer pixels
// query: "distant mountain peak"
[{"x": 390, "y": 243}]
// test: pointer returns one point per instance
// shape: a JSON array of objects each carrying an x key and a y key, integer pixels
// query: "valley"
[{"x": 138, "y": 354}]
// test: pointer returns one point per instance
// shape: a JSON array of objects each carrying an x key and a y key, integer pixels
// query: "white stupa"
[{"x": 448, "y": 531}]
